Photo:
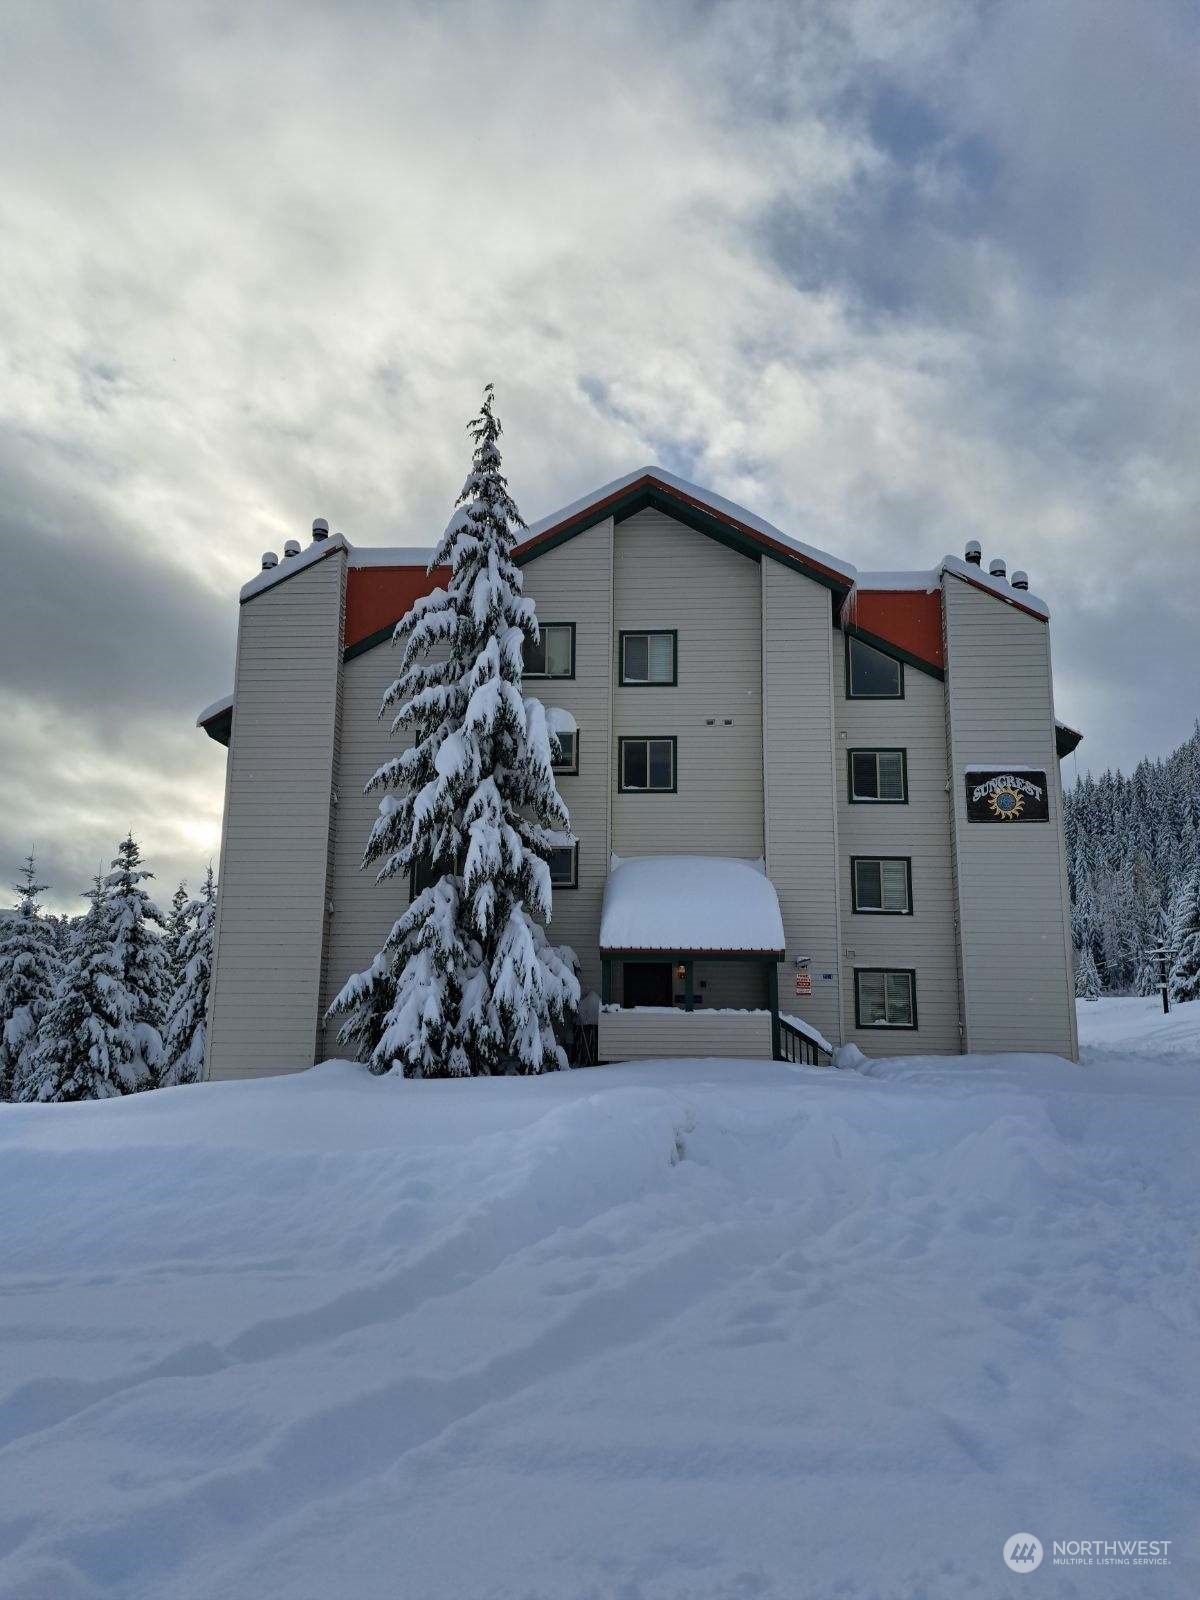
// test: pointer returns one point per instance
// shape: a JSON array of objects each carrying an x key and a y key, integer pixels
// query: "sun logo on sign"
[{"x": 1006, "y": 804}]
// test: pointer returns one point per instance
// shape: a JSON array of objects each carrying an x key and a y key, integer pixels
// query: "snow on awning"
[
  {"x": 690, "y": 904},
  {"x": 217, "y": 720}
]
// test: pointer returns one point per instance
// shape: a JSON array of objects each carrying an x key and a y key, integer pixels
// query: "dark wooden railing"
[{"x": 795, "y": 1045}]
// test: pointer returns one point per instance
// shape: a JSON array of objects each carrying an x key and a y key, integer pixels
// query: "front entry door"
[{"x": 649, "y": 983}]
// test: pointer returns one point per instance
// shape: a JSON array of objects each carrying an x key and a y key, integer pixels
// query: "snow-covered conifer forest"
[
  {"x": 109, "y": 1002},
  {"x": 1133, "y": 857}
]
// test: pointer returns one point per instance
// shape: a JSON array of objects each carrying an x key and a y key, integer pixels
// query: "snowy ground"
[{"x": 686, "y": 1330}]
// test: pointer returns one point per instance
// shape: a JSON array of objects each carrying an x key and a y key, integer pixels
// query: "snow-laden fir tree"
[
  {"x": 87, "y": 1047},
  {"x": 30, "y": 968},
  {"x": 177, "y": 926},
  {"x": 184, "y": 1029},
  {"x": 1087, "y": 979},
  {"x": 136, "y": 930},
  {"x": 467, "y": 981},
  {"x": 1185, "y": 941}
]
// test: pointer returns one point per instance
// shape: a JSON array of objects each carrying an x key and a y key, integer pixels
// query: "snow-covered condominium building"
[{"x": 799, "y": 791}]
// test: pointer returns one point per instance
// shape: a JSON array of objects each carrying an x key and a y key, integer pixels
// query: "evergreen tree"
[
  {"x": 184, "y": 1033},
  {"x": 467, "y": 981},
  {"x": 1185, "y": 941},
  {"x": 140, "y": 951},
  {"x": 29, "y": 970},
  {"x": 1087, "y": 979},
  {"x": 87, "y": 1047},
  {"x": 177, "y": 926}
]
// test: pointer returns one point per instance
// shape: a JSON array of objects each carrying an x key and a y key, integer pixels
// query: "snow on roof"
[
  {"x": 421, "y": 555},
  {"x": 705, "y": 497},
  {"x": 997, "y": 586},
  {"x": 681, "y": 903},
  {"x": 930, "y": 580},
  {"x": 290, "y": 565},
  {"x": 392, "y": 556},
  {"x": 225, "y": 703},
  {"x": 925, "y": 582}
]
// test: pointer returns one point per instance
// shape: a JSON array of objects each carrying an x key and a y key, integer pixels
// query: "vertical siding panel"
[
  {"x": 574, "y": 583},
  {"x": 666, "y": 575},
  {"x": 1013, "y": 907},
  {"x": 363, "y": 910},
  {"x": 275, "y": 845},
  {"x": 798, "y": 739},
  {"x": 920, "y": 830}
]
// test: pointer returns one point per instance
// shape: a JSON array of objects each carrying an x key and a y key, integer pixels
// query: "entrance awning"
[{"x": 696, "y": 904}]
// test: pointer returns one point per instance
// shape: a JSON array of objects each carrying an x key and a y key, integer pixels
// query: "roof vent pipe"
[
  {"x": 996, "y": 568},
  {"x": 1020, "y": 580},
  {"x": 291, "y": 548},
  {"x": 320, "y": 529},
  {"x": 974, "y": 553},
  {"x": 270, "y": 559}
]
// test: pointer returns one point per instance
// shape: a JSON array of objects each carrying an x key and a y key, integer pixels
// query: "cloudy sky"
[{"x": 894, "y": 274}]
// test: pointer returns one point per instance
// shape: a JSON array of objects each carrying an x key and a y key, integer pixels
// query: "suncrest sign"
[{"x": 1000, "y": 796}]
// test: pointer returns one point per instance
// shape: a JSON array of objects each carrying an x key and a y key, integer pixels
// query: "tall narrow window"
[
  {"x": 564, "y": 867},
  {"x": 882, "y": 884},
  {"x": 649, "y": 658},
  {"x": 885, "y": 997},
  {"x": 878, "y": 777},
  {"x": 647, "y": 766},
  {"x": 870, "y": 675},
  {"x": 567, "y": 759},
  {"x": 553, "y": 656}
]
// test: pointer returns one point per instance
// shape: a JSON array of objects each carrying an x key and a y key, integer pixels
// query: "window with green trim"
[
  {"x": 878, "y": 777},
  {"x": 649, "y": 658},
  {"x": 885, "y": 997},
  {"x": 553, "y": 656},
  {"x": 882, "y": 885},
  {"x": 646, "y": 766},
  {"x": 870, "y": 675}
]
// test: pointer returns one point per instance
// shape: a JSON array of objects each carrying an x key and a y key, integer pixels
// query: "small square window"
[
  {"x": 882, "y": 884},
  {"x": 879, "y": 777},
  {"x": 648, "y": 658},
  {"x": 647, "y": 766},
  {"x": 871, "y": 675},
  {"x": 564, "y": 867},
  {"x": 567, "y": 759},
  {"x": 885, "y": 998},
  {"x": 553, "y": 655}
]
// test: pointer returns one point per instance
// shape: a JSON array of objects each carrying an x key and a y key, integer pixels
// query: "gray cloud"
[{"x": 895, "y": 274}]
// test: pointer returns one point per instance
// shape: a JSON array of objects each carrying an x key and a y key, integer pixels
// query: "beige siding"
[
  {"x": 669, "y": 576},
  {"x": 573, "y": 583},
  {"x": 634, "y": 1035},
  {"x": 276, "y": 840},
  {"x": 1015, "y": 938},
  {"x": 802, "y": 834},
  {"x": 920, "y": 830},
  {"x": 740, "y": 984}
]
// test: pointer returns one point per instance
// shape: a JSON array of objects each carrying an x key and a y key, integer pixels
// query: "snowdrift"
[{"x": 681, "y": 1329}]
